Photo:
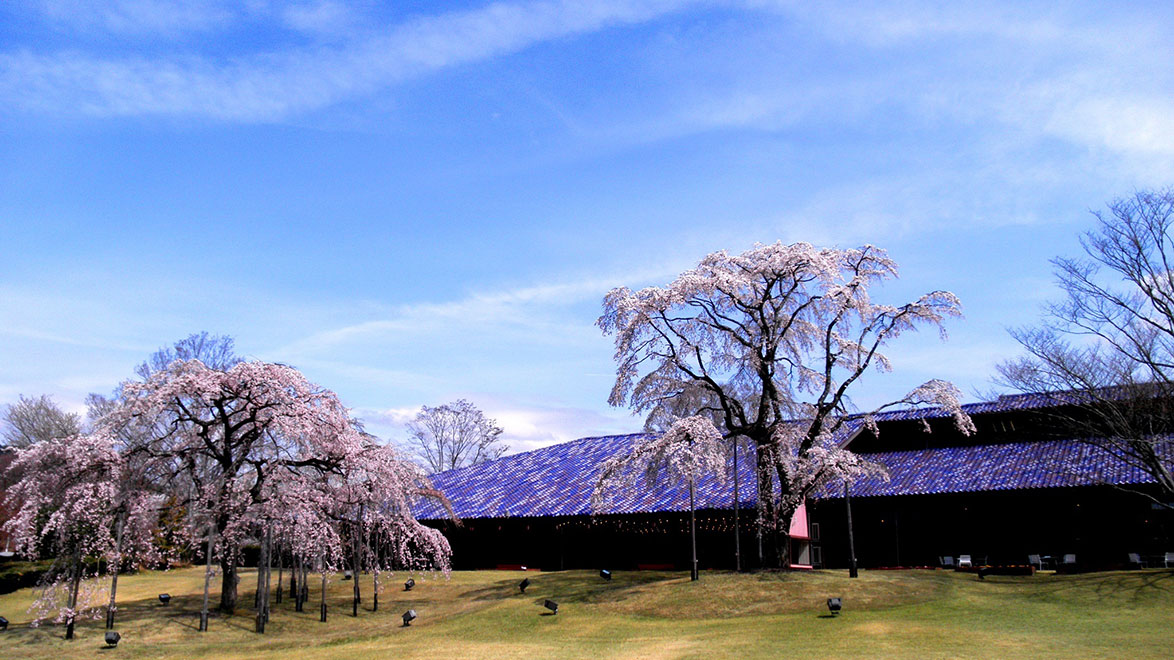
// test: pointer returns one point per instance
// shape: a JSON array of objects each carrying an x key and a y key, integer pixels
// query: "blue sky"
[{"x": 428, "y": 201}]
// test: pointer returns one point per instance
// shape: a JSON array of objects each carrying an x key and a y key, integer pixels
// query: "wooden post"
[
  {"x": 114, "y": 577},
  {"x": 737, "y": 504},
  {"x": 693, "y": 574},
  {"x": 280, "y": 574},
  {"x": 852, "y": 572}
]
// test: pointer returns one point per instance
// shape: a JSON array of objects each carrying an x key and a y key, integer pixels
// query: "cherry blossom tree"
[
  {"x": 255, "y": 451},
  {"x": 74, "y": 505},
  {"x": 221, "y": 435},
  {"x": 768, "y": 344},
  {"x": 690, "y": 449}
]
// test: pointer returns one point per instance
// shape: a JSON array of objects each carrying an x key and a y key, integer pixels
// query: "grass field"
[{"x": 887, "y": 614}]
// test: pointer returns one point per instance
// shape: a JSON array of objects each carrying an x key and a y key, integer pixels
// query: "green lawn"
[{"x": 897, "y": 614}]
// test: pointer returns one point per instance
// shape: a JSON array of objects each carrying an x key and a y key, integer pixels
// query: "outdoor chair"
[
  {"x": 1069, "y": 560},
  {"x": 947, "y": 562},
  {"x": 1169, "y": 559},
  {"x": 1035, "y": 562},
  {"x": 1136, "y": 560},
  {"x": 964, "y": 561}
]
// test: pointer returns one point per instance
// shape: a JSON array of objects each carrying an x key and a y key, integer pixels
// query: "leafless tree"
[
  {"x": 454, "y": 435},
  {"x": 36, "y": 419},
  {"x": 1106, "y": 348}
]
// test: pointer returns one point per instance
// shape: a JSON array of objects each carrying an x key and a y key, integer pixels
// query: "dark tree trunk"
[
  {"x": 228, "y": 583},
  {"x": 75, "y": 578},
  {"x": 305, "y": 587},
  {"x": 263, "y": 572},
  {"x": 768, "y": 513},
  {"x": 322, "y": 615},
  {"x": 358, "y": 559}
]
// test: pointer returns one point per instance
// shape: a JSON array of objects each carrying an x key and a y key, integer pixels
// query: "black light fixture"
[
  {"x": 346, "y": 575},
  {"x": 835, "y": 605},
  {"x": 112, "y": 637},
  {"x": 165, "y": 598},
  {"x": 3, "y": 623},
  {"x": 551, "y": 605},
  {"x": 605, "y": 574},
  {"x": 523, "y": 584},
  {"x": 409, "y": 584},
  {"x": 408, "y": 616}
]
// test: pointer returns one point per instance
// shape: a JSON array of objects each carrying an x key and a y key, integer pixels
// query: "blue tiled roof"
[
  {"x": 558, "y": 480},
  {"x": 1009, "y": 466}
]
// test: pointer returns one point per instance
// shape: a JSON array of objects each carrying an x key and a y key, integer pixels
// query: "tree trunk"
[
  {"x": 305, "y": 586},
  {"x": 75, "y": 583},
  {"x": 228, "y": 582},
  {"x": 263, "y": 572},
  {"x": 358, "y": 559},
  {"x": 376, "y": 560},
  {"x": 322, "y": 616},
  {"x": 207, "y": 579},
  {"x": 114, "y": 577},
  {"x": 767, "y": 510}
]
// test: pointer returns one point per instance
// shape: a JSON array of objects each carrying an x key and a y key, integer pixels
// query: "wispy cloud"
[
  {"x": 273, "y": 85},
  {"x": 531, "y": 311}
]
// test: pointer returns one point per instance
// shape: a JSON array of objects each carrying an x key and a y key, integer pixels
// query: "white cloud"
[{"x": 273, "y": 85}]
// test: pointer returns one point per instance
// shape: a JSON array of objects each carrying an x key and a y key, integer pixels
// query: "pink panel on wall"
[{"x": 799, "y": 523}]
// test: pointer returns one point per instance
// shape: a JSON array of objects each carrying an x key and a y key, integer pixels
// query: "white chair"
[
  {"x": 1035, "y": 562},
  {"x": 964, "y": 561},
  {"x": 947, "y": 562},
  {"x": 1136, "y": 560},
  {"x": 1169, "y": 559},
  {"x": 1069, "y": 560}
]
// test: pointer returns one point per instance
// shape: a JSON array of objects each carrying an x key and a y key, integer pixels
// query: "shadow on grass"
[
  {"x": 571, "y": 587},
  {"x": 1131, "y": 586}
]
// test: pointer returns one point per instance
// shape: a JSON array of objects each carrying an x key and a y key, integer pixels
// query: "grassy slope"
[{"x": 907, "y": 614}]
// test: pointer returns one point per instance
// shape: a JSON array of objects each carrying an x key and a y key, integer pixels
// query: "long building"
[{"x": 1012, "y": 489}]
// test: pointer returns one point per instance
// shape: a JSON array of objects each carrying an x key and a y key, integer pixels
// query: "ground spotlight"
[
  {"x": 3, "y": 623},
  {"x": 551, "y": 605},
  {"x": 408, "y": 616},
  {"x": 409, "y": 584},
  {"x": 112, "y": 638},
  {"x": 523, "y": 584},
  {"x": 165, "y": 598},
  {"x": 835, "y": 605},
  {"x": 605, "y": 574}
]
